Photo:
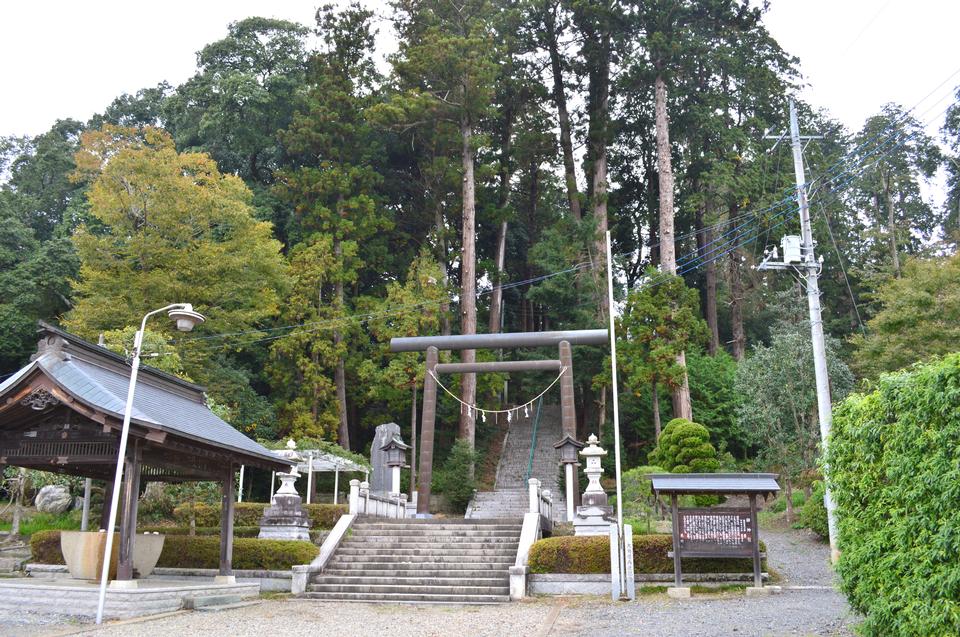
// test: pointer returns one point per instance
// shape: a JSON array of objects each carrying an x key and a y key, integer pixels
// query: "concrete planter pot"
[{"x": 83, "y": 553}]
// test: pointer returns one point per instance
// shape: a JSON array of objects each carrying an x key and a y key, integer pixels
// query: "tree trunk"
[
  {"x": 655, "y": 396},
  {"x": 668, "y": 250},
  {"x": 445, "y": 328},
  {"x": 563, "y": 116},
  {"x": 496, "y": 299},
  {"x": 468, "y": 281},
  {"x": 598, "y": 105},
  {"x": 892, "y": 228},
  {"x": 340, "y": 375},
  {"x": 18, "y": 502},
  {"x": 788, "y": 493},
  {"x": 736, "y": 297},
  {"x": 704, "y": 239}
]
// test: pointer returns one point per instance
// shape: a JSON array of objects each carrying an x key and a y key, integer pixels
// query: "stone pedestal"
[
  {"x": 285, "y": 519},
  {"x": 594, "y": 516}
]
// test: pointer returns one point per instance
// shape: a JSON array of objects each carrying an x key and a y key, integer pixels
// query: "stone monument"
[
  {"x": 285, "y": 518},
  {"x": 593, "y": 516},
  {"x": 380, "y": 474}
]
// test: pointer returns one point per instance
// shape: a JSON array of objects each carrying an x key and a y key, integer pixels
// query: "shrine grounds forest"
[{"x": 314, "y": 201}]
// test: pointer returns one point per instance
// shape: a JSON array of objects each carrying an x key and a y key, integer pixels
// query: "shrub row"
[
  {"x": 591, "y": 555},
  {"x": 181, "y": 551},
  {"x": 238, "y": 531},
  {"x": 322, "y": 516}
]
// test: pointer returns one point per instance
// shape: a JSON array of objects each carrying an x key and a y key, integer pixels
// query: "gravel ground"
[
  {"x": 800, "y": 559},
  {"x": 798, "y": 556}
]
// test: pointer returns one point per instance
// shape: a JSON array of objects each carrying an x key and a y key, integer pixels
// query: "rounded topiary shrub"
[
  {"x": 684, "y": 447},
  {"x": 894, "y": 473}
]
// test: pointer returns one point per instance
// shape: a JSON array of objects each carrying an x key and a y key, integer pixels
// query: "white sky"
[{"x": 71, "y": 59}]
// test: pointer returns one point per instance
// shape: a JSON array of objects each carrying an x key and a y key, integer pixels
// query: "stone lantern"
[
  {"x": 396, "y": 458},
  {"x": 569, "y": 448},
  {"x": 593, "y": 517},
  {"x": 285, "y": 518}
]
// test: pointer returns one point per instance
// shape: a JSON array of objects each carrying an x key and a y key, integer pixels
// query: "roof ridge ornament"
[{"x": 53, "y": 344}]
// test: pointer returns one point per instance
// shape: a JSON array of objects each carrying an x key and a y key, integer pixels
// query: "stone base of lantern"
[
  {"x": 592, "y": 520},
  {"x": 285, "y": 519}
]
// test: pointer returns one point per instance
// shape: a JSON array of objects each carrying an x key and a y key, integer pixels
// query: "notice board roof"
[{"x": 714, "y": 483}]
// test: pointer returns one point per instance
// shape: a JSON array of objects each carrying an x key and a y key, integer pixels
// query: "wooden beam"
[{"x": 226, "y": 523}]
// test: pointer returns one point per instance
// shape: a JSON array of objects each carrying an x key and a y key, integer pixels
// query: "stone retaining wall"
[{"x": 570, "y": 584}]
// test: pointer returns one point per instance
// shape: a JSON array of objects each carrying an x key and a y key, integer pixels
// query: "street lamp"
[{"x": 186, "y": 319}]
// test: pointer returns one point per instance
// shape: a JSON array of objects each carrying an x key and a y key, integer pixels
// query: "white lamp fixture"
[{"x": 186, "y": 319}]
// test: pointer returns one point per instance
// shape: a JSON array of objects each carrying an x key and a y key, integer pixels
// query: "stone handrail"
[
  {"x": 302, "y": 573},
  {"x": 541, "y": 503},
  {"x": 362, "y": 502}
]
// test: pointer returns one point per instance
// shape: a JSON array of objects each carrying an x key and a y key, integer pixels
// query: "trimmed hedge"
[
  {"x": 180, "y": 551},
  {"x": 238, "y": 531},
  {"x": 895, "y": 477},
  {"x": 322, "y": 516},
  {"x": 591, "y": 555}
]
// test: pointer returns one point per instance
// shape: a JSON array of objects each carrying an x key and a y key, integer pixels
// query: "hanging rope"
[{"x": 509, "y": 412}]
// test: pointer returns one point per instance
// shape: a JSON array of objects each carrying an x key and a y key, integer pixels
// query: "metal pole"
[
  {"x": 85, "y": 518},
  {"x": 336, "y": 482},
  {"x": 824, "y": 408},
  {"x": 240, "y": 490},
  {"x": 118, "y": 475},
  {"x": 621, "y": 555},
  {"x": 309, "y": 476}
]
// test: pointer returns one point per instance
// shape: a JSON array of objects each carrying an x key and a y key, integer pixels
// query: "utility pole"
[{"x": 809, "y": 266}]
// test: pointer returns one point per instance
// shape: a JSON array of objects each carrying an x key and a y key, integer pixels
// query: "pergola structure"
[
  {"x": 510, "y": 340},
  {"x": 63, "y": 413}
]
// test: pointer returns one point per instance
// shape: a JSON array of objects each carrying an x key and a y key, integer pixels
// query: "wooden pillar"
[
  {"x": 755, "y": 533},
  {"x": 226, "y": 524},
  {"x": 568, "y": 408},
  {"x": 128, "y": 519},
  {"x": 107, "y": 497},
  {"x": 677, "y": 577},
  {"x": 426, "y": 431}
]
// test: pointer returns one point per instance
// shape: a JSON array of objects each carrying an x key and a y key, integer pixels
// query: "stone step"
[
  {"x": 419, "y": 521},
  {"x": 434, "y": 552},
  {"x": 435, "y": 571},
  {"x": 223, "y": 607},
  {"x": 386, "y": 580},
  {"x": 197, "y": 602},
  {"x": 399, "y": 589},
  {"x": 443, "y": 536},
  {"x": 382, "y": 544},
  {"x": 387, "y": 561},
  {"x": 409, "y": 598}
]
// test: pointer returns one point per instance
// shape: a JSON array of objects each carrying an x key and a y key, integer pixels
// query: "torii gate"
[{"x": 563, "y": 340}]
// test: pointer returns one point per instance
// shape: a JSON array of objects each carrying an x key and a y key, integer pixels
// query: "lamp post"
[
  {"x": 569, "y": 448},
  {"x": 185, "y": 319}
]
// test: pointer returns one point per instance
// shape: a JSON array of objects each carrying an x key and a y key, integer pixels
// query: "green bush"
[
  {"x": 45, "y": 548},
  {"x": 322, "y": 516},
  {"x": 685, "y": 447},
  {"x": 453, "y": 479},
  {"x": 181, "y": 551},
  {"x": 894, "y": 475},
  {"x": 586, "y": 555},
  {"x": 238, "y": 531},
  {"x": 780, "y": 504},
  {"x": 813, "y": 515}
]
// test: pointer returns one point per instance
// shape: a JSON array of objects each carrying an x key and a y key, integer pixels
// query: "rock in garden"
[{"x": 53, "y": 499}]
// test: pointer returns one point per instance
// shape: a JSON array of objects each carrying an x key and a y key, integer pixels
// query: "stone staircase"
[
  {"x": 509, "y": 498},
  {"x": 421, "y": 561}
]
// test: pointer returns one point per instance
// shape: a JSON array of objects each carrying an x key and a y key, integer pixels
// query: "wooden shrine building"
[{"x": 63, "y": 413}]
